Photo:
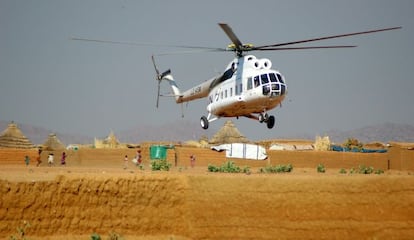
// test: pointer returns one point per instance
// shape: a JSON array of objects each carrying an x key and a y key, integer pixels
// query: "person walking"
[
  {"x": 126, "y": 162},
  {"x": 63, "y": 159},
  {"x": 50, "y": 159},
  {"x": 27, "y": 160},
  {"x": 139, "y": 157},
  {"x": 38, "y": 159}
]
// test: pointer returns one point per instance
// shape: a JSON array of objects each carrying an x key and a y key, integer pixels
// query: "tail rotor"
[{"x": 159, "y": 78}]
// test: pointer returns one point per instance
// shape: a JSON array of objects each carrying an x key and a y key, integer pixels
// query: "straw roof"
[
  {"x": 53, "y": 143},
  {"x": 228, "y": 134},
  {"x": 109, "y": 142},
  {"x": 13, "y": 137}
]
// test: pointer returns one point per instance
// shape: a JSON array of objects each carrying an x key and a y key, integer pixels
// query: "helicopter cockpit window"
[
  {"x": 272, "y": 77},
  {"x": 256, "y": 81},
  {"x": 265, "y": 78},
  {"x": 279, "y": 77}
]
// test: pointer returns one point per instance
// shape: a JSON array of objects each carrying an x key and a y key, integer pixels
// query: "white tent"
[{"x": 242, "y": 150}]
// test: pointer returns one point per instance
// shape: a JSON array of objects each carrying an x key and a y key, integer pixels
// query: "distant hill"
[
  {"x": 386, "y": 132},
  {"x": 183, "y": 131}
]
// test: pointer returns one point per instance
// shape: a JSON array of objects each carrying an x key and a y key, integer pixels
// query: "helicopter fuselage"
[
  {"x": 252, "y": 88},
  {"x": 248, "y": 87}
]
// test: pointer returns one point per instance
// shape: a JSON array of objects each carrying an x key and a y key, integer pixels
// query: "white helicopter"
[{"x": 249, "y": 87}]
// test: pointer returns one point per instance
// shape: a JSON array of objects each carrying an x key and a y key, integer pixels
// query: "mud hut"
[
  {"x": 109, "y": 142},
  {"x": 53, "y": 143},
  {"x": 228, "y": 134},
  {"x": 13, "y": 137}
]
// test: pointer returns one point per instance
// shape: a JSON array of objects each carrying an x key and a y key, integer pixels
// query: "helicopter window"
[
  {"x": 231, "y": 92},
  {"x": 256, "y": 81},
  {"x": 272, "y": 77},
  {"x": 249, "y": 83},
  {"x": 264, "y": 78},
  {"x": 221, "y": 95},
  {"x": 241, "y": 88},
  {"x": 279, "y": 77},
  {"x": 283, "y": 90},
  {"x": 225, "y": 93}
]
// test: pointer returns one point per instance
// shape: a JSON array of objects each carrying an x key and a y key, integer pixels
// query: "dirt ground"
[{"x": 75, "y": 201}]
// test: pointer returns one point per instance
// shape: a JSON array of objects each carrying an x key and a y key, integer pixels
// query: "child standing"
[{"x": 126, "y": 162}]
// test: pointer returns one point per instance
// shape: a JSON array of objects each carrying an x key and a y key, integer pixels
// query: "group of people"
[
  {"x": 50, "y": 159},
  {"x": 137, "y": 160}
]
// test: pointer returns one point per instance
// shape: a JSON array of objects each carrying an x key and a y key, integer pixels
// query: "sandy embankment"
[{"x": 72, "y": 203}]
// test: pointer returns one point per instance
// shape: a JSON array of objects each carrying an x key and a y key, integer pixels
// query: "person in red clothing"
[
  {"x": 139, "y": 157},
  {"x": 63, "y": 159}
]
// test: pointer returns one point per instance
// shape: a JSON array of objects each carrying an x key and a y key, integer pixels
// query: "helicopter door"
[{"x": 239, "y": 76}]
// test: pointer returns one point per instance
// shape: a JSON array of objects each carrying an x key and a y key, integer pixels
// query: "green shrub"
[
  {"x": 212, "y": 168},
  {"x": 160, "y": 165},
  {"x": 21, "y": 232},
  {"x": 95, "y": 236},
  {"x": 277, "y": 169},
  {"x": 114, "y": 236},
  {"x": 246, "y": 170},
  {"x": 228, "y": 167},
  {"x": 342, "y": 171},
  {"x": 320, "y": 168},
  {"x": 365, "y": 170}
]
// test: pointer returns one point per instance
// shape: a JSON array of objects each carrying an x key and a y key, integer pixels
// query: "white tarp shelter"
[{"x": 242, "y": 150}]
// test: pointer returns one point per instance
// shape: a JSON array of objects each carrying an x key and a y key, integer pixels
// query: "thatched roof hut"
[
  {"x": 53, "y": 143},
  {"x": 228, "y": 134},
  {"x": 109, "y": 142},
  {"x": 13, "y": 137}
]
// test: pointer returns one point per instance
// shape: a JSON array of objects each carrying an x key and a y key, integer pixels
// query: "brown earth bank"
[
  {"x": 94, "y": 193},
  {"x": 73, "y": 203}
]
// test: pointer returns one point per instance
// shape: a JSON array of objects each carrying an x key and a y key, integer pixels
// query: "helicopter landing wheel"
[
  {"x": 263, "y": 117},
  {"x": 270, "y": 122},
  {"x": 204, "y": 122}
]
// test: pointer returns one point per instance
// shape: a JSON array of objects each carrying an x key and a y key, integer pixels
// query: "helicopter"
[{"x": 248, "y": 87}]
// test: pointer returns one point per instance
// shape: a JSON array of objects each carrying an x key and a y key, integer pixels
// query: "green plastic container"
[{"x": 158, "y": 152}]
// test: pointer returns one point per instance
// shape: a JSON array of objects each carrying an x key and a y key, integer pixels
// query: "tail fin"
[{"x": 168, "y": 77}]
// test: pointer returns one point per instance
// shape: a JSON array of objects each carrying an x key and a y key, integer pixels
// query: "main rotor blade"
[
  {"x": 325, "y": 38},
  {"x": 193, "y": 51},
  {"x": 145, "y": 44},
  {"x": 158, "y": 93},
  {"x": 155, "y": 66},
  {"x": 227, "y": 29},
  {"x": 301, "y": 48}
]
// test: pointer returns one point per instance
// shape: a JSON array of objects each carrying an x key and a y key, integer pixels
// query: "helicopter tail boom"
[{"x": 200, "y": 91}]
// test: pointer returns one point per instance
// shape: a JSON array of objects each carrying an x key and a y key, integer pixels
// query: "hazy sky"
[{"x": 76, "y": 87}]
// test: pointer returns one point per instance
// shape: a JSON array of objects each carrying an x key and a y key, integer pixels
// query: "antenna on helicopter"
[{"x": 159, "y": 78}]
